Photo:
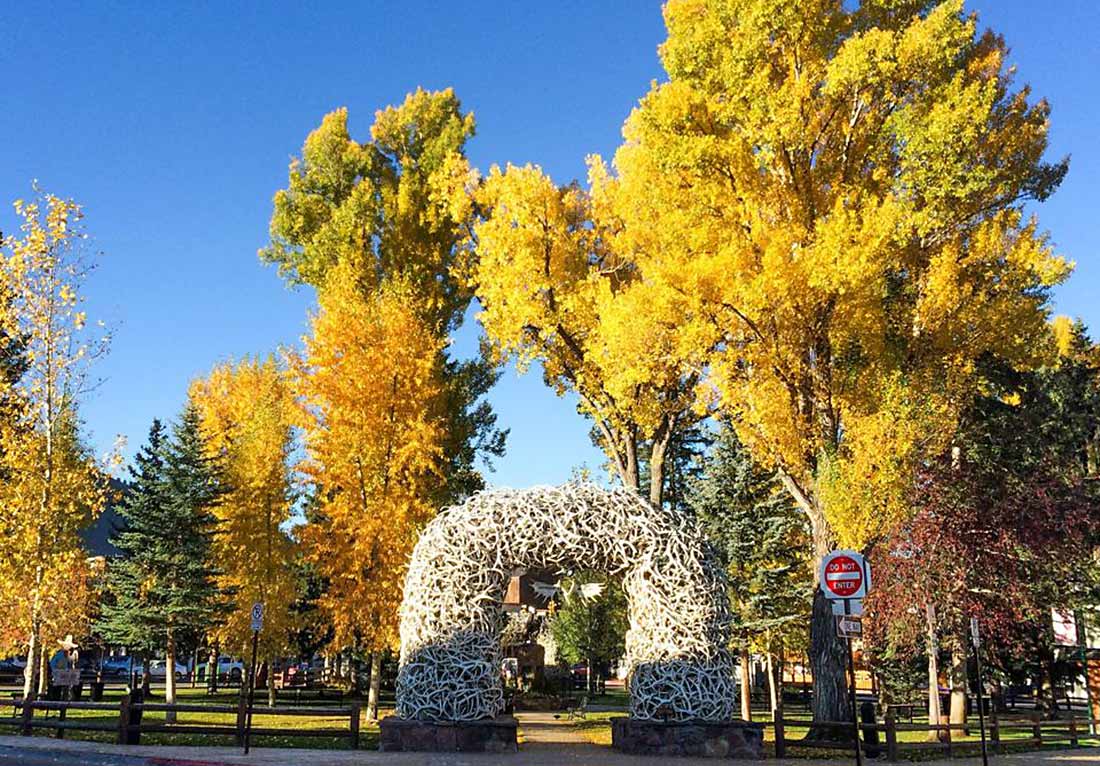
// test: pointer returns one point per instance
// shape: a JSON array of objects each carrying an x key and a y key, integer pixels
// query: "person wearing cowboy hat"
[{"x": 67, "y": 656}]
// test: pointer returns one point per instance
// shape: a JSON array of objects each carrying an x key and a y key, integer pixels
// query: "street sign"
[
  {"x": 257, "y": 617},
  {"x": 849, "y": 626},
  {"x": 845, "y": 575},
  {"x": 975, "y": 636}
]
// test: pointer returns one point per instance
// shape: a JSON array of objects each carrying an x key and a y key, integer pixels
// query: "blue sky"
[{"x": 173, "y": 124}]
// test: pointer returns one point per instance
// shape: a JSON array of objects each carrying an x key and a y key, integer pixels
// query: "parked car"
[
  {"x": 227, "y": 668},
  {"x": 12, "y": 668},
  {"x": 158, "y": 669},
  {"x": 116, "y": 667}
]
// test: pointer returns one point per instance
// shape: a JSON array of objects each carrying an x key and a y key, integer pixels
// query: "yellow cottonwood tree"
[
  {"x": 396, "y": 207},
  {"x": 247, "y": 412},
  {"x": 51, "y": 486},
  {"x": 371, "y": 393},
  {"x": 835, "y": 191},
  {"x": 554, "y": 289}
]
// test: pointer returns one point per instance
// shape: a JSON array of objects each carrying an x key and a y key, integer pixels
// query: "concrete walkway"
[{"x": 545, "y": 744}]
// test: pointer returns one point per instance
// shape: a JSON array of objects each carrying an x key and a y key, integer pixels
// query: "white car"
[
  {"x": 227, "y": 668},
  {"x": 158, "y": 669}
]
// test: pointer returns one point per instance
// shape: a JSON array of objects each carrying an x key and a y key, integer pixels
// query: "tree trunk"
[
  {"x": 935, "y": 715},
  {"x": 375, "y": 685},
  {"x": 212, "y": 669},
  {"x": 195, "y": 668},
  {"x": 146, "y": 677},
  {"x": 828, "y": 663},
  {"x": 1046, "y": 699},
  {"x": 43, "y": 672},
  {"x": 30, "y": 672},
  {"x": 170, "y": 677},
  {"x": 746, "y": 685},
  {"x": 658, "y": 455},
  {"x": 272, "y": 695},
  {"x": 773, "y": 685},
  {"x": 828, "y": 653},
  {"x": 631, "y": 477},
  {"x": 959, "y": 681},
  {"x": 356, "y": 676}
]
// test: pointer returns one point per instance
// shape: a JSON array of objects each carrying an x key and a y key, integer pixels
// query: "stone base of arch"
[
  {"x": 700, "y": 739},
  {"x": 489, "y": 735}
]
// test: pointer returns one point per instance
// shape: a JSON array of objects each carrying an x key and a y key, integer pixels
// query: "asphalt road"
[{"x": 33, "y": 756}]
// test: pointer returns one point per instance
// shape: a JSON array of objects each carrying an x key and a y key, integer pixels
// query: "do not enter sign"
[{"x": 844, "y": 575}]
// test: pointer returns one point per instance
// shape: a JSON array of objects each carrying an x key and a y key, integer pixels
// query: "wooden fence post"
[
  {"x": 1072, "y": 730},
  {"x": 1037, "y": 728},
  {"x": 242, "y": 714},
  {"x": 355, "y": 714},
  {"x": 891, "y": 736},
  {"x": 780, "y": 735},
  {"x": 28, "y": 717},
  {"x": 59, "y": 733},
  {"x": 947, "y": 741},
  {"x": 994, "y": 731},
  {"x": 124, "y": 720}
]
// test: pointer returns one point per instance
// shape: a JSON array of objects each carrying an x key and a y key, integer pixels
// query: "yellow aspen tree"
[
  {"x": 246, "y": 414},
  {"x": 555, "y": 290},
  {"x": 370, "y": 390},
  {"x": 836, "y": 191},
  {"x": 52, "y": 487}
]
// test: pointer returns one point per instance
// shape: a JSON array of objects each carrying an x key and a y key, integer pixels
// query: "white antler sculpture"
[{"x": 676, "y": 647}]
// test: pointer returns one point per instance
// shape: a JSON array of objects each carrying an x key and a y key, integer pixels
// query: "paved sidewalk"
[{"x": 545, "y": 744}]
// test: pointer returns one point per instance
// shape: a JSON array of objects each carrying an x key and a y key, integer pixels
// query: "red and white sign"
[{"x": 844, "y": 575}]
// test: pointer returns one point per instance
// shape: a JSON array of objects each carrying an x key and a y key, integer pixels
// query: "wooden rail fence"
[
  {"x": 1043, "y": 732},
  {"x": 129, "y": 725}
]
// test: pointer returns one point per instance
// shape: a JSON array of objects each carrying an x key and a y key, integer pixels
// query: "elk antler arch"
[{"x": 676, "y": 647}]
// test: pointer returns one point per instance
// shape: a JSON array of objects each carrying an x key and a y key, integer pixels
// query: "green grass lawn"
[
  {"x": 596, "y": 728},
  {"x": 368, "y": 730}
]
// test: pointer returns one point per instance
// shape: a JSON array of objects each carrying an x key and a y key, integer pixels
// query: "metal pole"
[
  {"x": 251, "y": 692},
  {"x": 981, "y": 695},
  {"x": 852, "y": 692},
  {"x": 1083, "y": 639}
]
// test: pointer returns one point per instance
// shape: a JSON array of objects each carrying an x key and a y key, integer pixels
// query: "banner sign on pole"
[{"x": 1065, "y": 627}]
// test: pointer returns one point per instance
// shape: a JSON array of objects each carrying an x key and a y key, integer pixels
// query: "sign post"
[
  {"x": 976, "y": 639},
  {"x": 257, "y": 626},
  {"x": 845, "y": 576}
]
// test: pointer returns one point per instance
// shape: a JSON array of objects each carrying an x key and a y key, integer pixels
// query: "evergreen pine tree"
[
  {"x": 761, "y": 536},
  {"x": 131, "y": 616},
  {"x": 163, "y": 583},
  {"x": 763, "y": 540}
]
